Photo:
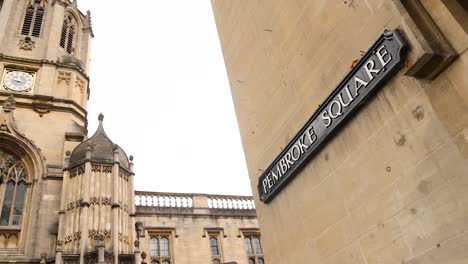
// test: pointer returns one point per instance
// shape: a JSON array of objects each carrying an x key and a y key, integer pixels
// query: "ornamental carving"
[
  {"x": 107, "y": 169},
  {"x": 106, "y": 233},
  {"x": 80, "y": 84},
  {"x": 100, "y": 200},
  {"x": 123, "y": 175},
  {"x": 76, "y": 236},
  {"x": 64, "y": 77},
  {"x": 106, "y": 201},
  {"x": 96, "y": 168},
  {"x": 77, "y": 171},
  {"x": 74, "y": 204},
  {"x": 27, "y": 44}
]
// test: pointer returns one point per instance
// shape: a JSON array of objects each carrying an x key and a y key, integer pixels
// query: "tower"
[
  {"x": 97, "y": 205},
  {"x": 56, "y": 201}
]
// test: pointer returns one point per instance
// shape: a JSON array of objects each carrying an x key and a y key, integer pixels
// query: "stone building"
[
  {"x": 67, "y": 198},
  {"x": 390, "y": 185}
]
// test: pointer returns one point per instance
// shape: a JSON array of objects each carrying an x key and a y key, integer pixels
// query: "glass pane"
[
  {"x": 7, "y": 201},
  {"x": 260, "y": 261},
  {"x": 19, "y": 201},
  {"x": 164, "y": 247},
  {"x": 154, "y": 262},
  {"x": 154, "y": 247},
  {"x": 258, "y": 247},
  {"x": 248, "y": 247},
  {"x": 251, "y": 261},
  {"x": 214, "y": 246},
  {"x": 215, "y": 261},
  {"x": 166, "y": 262}
]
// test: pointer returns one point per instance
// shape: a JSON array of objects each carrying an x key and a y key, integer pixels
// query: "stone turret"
[{"x": 97, "y": 201}]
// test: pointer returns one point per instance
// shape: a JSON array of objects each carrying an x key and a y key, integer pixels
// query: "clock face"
[{"x": 18, "y": 81}]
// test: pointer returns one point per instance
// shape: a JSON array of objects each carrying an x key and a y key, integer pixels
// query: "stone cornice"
[
  {"x": 4, "y": 57},
  {"x": 32, "y": 101}
]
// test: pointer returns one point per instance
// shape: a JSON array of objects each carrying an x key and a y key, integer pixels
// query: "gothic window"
[
  {"x": 253, "y": 248},
  {"x": 68, "y": 33},
  {"x": 33, "y": 19},
  {"x": 13, "y": 185},
  {"x": 160, "y": 251}
]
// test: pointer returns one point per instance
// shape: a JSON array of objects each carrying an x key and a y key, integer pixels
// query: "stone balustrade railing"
[
  {"x": 192, "y": 200},
  {"x": 157, "y": 199},
  {"x": 230, "y": 202}
]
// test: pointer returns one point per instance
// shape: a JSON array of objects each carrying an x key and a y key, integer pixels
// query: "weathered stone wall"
[{"x": 390, "y": 187}]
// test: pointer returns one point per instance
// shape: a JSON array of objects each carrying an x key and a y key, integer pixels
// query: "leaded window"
[
  {"x": 68, "y": 34},
  {"x": 33, "y": 19},
  {"x": 13, "y": 175},
  {"x": 160, "y": 251},
  {"x": 253, "y": 248}
]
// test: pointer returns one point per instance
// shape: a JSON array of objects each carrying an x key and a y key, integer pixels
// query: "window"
[
  {"x": 68, "y": 33},
  {"x": 160, "y": 250},
  {"x": 215, "y": 245},
  {"x": 1, "y": 4},
  {"x": 253, "y": 248},
  {"x": 14, "y": 186},
  {"x": 33, "y": 19}
]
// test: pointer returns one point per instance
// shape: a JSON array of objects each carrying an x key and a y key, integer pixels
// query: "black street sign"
[{"x": 380, "y": 62}]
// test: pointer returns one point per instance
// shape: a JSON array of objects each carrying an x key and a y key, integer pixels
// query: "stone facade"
[
  {"x": 66, "y": 198},
  {"x": 390, "y": 186}
]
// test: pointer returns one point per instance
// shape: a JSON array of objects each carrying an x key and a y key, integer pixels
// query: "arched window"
[
  {"x": 260, "y": 261},
  {"x": 154, "y": 247},
  {"x": 215, "y": 261},
  {"x": 164, "y": 247},
  {"x": 214, "y": 246},
  {"x": 68, "y": 33},
  {"x": 251, "y": 261},
  {"x": 33, "y": 19},
  {"x": 14, "y": 185}
]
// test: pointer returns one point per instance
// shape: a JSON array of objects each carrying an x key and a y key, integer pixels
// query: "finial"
[
  {"x": 131, "y": 158},
  {"x": 101, "y": 117},
  {"x": 9, "y": 104}
]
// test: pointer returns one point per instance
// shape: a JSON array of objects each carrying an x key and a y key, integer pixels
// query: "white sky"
[{"x": 158, "y": 76}]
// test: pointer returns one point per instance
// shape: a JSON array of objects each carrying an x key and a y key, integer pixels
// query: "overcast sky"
[{"x": 158, "y": 76}]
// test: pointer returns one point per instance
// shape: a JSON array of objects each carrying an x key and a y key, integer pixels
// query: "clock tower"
[{"x": 44, "y": 64}]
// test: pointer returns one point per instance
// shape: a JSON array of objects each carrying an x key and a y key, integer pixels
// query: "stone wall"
[
  {"x": 390, "y": 187},
  {"x": 190, "y": 219}
]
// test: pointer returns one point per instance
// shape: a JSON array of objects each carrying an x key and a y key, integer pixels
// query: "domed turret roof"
[{"x": 101, "y": 149}]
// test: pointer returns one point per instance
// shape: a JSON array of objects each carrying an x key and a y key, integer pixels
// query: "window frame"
[
  {"x": 37, "y": 7},
  {"x": 217, "y": 236},
  {"x": 69, "y": 30},
  {"x": 17, "y": 232},
  {"x": 255, "y": 256},
  {"x": 159, "y": 235}
]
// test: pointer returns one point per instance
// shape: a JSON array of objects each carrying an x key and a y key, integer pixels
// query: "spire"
[{"x": 101, "y": 118}]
